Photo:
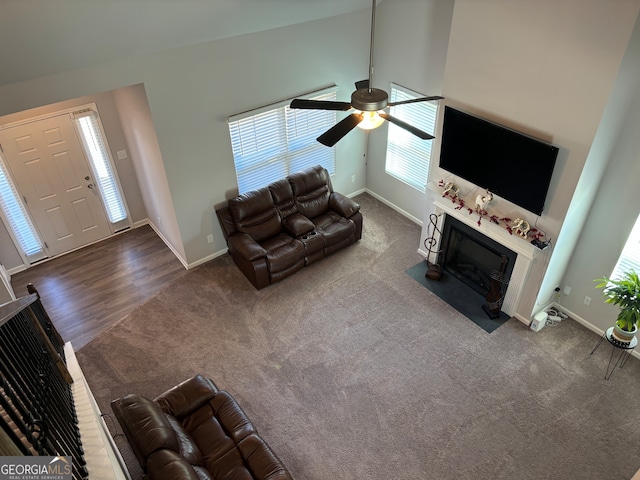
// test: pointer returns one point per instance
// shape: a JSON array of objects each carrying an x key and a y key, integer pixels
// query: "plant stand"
[{"x": 625, "y": 351}]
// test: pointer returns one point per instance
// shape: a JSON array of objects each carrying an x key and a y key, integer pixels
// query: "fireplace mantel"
[
  {"x": 496, "y": 232},
  {"x": 526, "y": 252}
]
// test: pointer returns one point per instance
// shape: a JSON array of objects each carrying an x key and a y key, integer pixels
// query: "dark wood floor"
[{"x": 87, "y": 291}]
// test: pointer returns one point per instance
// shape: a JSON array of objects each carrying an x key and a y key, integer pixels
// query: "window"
[
  {"x": 630, "y": 256},
  {"x": 87, "y": 122},
  {"x": 407, "y": 155},
  {"x": 16, "y": 215},
  {"x": 274, "y": 141}
]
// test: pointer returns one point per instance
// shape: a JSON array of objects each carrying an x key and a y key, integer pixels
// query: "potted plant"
[{"x": 625, "y": 293}]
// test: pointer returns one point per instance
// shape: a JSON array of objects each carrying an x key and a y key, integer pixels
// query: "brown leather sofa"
[
  {"x": 195, "y": 431},
  {"x": 277, "y": 230}
]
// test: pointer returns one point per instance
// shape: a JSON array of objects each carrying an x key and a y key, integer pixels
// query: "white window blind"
[
  {"x": 407, "y": 155},
  {"x": 16, "y": 215},
  {"x": 630, "y": 256},
  {"x": 91, "y": 134},
  {"x": 274, "y": 141}
]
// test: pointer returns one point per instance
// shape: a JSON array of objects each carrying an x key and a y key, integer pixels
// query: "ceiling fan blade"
[
  {"x": 340, "y": 129},
  {"x": 414, "y": 100},
  {"x": 302, "y": 103},
  {"x": 362, "y": 84},
  {"x": 409, "y": 128}
]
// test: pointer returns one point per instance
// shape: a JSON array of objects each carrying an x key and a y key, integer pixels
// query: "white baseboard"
[
  {"x": 167, "y": 243},
  {"x": 524, "y": 320},
  {"x": 395, "y": 207},
  {"x": 585, "y": 323},
  {"x": 357, "y": 192},
  {"x": 213, "y": 256}
]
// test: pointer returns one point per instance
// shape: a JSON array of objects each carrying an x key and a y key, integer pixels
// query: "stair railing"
[{"x": 37, "y": 410}]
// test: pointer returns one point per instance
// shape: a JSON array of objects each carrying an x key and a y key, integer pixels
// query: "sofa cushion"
[
  {"x": 255, "y": 214},
  {"x": 187, "y": 396},
  {"x": 169, "y": 465},
  {"x": 311, "y": 191},
  {"x": 188, "y": 448},
  {"x": 283, "y": 251},
  {"x": 334, "y": 228},
  {"x": 217, "y": 426},
  {"x": 251, "y": 459},
  {"x": 283, "y": 197}
]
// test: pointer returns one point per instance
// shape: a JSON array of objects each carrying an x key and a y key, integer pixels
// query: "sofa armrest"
[
  {"x": 246, "y": 246},
  {"x": 188, "y": 396},
  {"x": 145, "y": 425},
  {"x": 343, "y": 205},
  {"x": 297, "y": 225}
]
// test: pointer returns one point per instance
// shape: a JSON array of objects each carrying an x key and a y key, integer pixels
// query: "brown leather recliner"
[
  {"x": 277, "y": 230},
  {"x": 195, "y": 431}
]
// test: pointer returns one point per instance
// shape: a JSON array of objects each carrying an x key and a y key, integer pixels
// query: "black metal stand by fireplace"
[
  {"x": 495, "y": 295},
  {"x": 480, "y": 262},
  {"x": 434, "y": 270}
]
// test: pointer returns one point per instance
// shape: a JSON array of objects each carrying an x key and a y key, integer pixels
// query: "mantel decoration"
[
  {"x": 625, "y": 293},
  {"x": 520, "y": 227}
]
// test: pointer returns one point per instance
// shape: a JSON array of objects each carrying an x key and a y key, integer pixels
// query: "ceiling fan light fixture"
[
  {"x": 370, "y": 120},
  {"x": 369, "y": 99}
]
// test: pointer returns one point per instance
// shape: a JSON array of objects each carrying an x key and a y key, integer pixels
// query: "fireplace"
[
  {"x": 473, "y": 257},
  {"x": 524, "y": 252}
]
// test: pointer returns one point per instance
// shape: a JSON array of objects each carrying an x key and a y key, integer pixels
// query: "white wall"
[
  {"x": 192, "y": 90},
  {"x": 544, "y": 68},
  {"x": 138, "y": 128},
  {"x": 411, "y": 38},
  {"x": 614, "y": 205}
]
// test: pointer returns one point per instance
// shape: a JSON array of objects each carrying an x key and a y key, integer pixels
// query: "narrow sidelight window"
[
  {"x": 18, "y": 220},
  {"x": 88, "y": 125}
]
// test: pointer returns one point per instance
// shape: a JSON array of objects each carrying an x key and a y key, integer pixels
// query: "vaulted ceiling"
[{"x": 45, "y": 37}]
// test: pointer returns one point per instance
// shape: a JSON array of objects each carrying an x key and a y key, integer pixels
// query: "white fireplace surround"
[{"x": 526, "y": 252}]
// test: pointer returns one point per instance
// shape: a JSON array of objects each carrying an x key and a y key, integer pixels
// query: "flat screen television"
[{"x": 509, "y": 164}]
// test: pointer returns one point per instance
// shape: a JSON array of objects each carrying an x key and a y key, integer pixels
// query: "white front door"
[{"x": 51, "y": 172}]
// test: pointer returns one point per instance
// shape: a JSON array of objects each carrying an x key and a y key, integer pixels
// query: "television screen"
[{"x": 509, "y": 164}]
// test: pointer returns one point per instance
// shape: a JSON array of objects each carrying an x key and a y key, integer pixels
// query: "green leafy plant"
[{"x": 625, "y": 293}]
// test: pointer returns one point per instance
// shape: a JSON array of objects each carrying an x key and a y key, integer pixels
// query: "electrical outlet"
[
  {"x": 209, "y": 238},
  {"x": 587, "y": 300},
  {"x": 353, "y": 179}
]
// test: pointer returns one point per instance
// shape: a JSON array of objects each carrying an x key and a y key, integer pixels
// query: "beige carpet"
[{"x": 352, "y": 370}]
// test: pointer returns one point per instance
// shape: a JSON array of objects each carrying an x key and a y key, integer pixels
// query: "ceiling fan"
[{"x": 367, "y": 102}]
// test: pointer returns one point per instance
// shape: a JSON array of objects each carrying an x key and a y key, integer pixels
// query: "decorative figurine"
[
  {"x": 483, "y": 200},
  {"x": 520, "y": 227},
  {"x": 451, "y": 190}
]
